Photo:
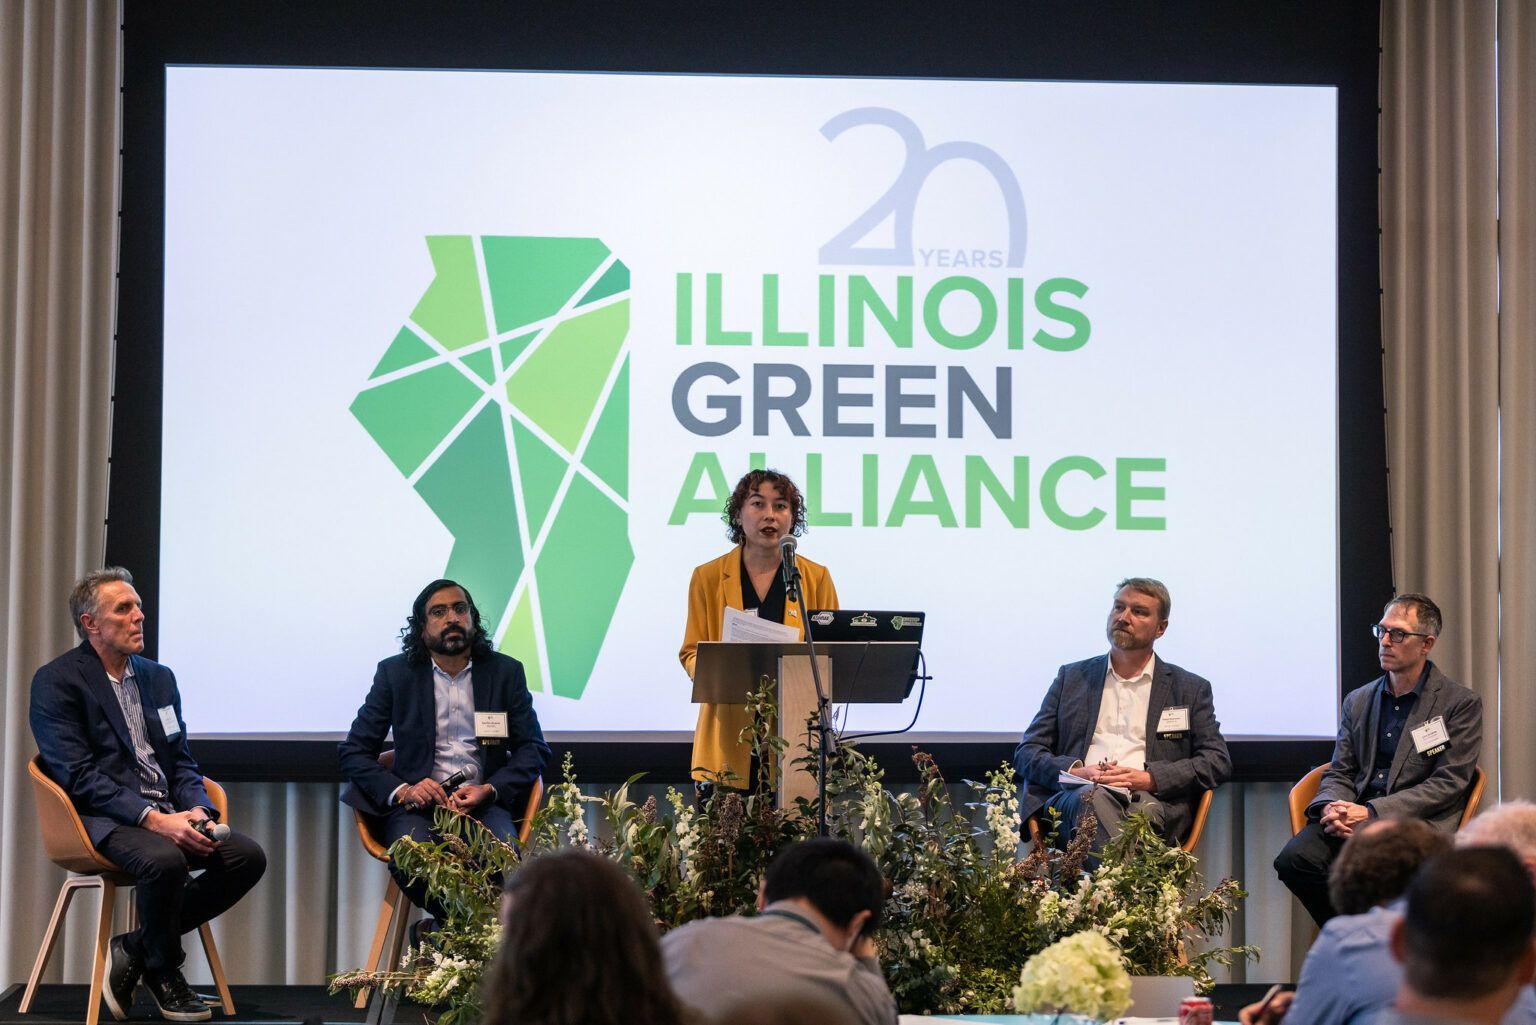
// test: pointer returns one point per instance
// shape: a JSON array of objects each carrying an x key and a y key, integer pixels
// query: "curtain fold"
[
  {"x": 1516, "y": 710},
  {"x": 59, "y": 76},
  {"x": 1440, "y": 290}
]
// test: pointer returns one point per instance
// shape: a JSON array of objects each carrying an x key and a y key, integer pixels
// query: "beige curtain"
[
  {"x": 1457, "y": 179},
  {"x": 58, "y": 185},
  {"x": 1517, "y": 394}
]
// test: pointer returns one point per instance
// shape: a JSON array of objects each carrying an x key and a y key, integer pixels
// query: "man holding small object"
[
  {"x": 1142, "y": 730},
  {"x": 1407, "y": 747},
  {"x": 466, "y": 736},
  {"x": 109, "y": 731}
]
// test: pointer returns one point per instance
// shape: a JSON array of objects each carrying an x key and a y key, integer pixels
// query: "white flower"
[{"x": 1081, "y": 974}]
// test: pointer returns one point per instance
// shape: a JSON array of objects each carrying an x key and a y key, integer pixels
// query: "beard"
[{"x": 449, "y": 642}]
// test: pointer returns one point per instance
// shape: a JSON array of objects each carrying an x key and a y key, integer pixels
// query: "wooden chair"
[
  {"x": 1196, "y": 825},
  {"x": 395, "y": 909},
  {"x": 68, "y": 846},
  {"x": 1303, "y": 793}
]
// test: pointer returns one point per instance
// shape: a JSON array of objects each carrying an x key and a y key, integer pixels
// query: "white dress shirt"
[{"x": 1121, "y": 733}]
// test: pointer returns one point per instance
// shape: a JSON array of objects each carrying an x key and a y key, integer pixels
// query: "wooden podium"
[{"x": 853, "y": 672}]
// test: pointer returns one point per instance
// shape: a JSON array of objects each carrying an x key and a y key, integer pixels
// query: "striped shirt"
[{"x": 152, "y": 783}]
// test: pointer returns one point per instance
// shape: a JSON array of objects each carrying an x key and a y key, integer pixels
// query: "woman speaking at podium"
[{"x": 764, "y": 508}]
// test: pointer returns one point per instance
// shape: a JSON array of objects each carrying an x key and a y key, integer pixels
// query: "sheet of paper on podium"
[{"x": 749, "y": 627}]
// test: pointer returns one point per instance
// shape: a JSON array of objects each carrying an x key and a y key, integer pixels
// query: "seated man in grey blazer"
[
  {"x": 1144, "y": 730},
  {"x": 1407, "y": 747}
]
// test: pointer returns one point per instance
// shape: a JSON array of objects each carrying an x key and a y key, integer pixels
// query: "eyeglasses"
[
  {"x": 1398, "y": 636},
  {"x": 458, "y": 608}
]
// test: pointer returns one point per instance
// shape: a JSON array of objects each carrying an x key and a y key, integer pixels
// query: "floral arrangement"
[
  {"x": 962, "y": 915},
  {"x": 463, "y": 871},
  {"x": 964, "y": 912},
  {"x": 1081, "y": 975}
]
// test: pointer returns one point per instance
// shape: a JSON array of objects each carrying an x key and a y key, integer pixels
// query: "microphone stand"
[{"x": 825, "y": 737}]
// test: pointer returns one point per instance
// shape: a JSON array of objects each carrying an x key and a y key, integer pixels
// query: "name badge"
[
  {"x": 490, "y": 727},
  {"x": 1431, "y": 738},
  {"x": 168, "y": 722},
  {"x": 1173, "y": 723}
]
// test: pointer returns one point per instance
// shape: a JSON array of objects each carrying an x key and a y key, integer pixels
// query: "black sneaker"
[
  {"x": 124, "y": 970},
  {"x": 422, "y": 930},
  {"x": 175, "y": 999}
]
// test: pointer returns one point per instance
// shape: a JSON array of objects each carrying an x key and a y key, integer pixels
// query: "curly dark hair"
[
  {"x": 579, "y": 948},
  {"x": 416, "y": 653},
  {"x": 749, "y": 483},
  {"x": 1375, "y": 865}
]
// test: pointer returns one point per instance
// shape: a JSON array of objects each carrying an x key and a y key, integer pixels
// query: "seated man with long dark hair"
[{"x": 456, "y": 705}]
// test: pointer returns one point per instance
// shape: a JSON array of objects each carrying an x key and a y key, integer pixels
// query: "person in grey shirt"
[{"x": 818, "y": 908}]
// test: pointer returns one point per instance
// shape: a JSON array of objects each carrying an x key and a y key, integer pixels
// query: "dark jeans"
[
  {"x": 170, "y": 900},
  {"x": 418, "y": 826},
  {"x": 1303, "y": 865}
]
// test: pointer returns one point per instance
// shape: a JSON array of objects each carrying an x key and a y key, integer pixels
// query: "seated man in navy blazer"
[
  {"x": 109, "y": 731},
  {"x": 1125, "y": 720},
  {"x": 456, "y": 706}
]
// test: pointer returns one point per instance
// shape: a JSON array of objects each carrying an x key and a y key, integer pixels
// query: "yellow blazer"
[{"x": 715, "y": 585}]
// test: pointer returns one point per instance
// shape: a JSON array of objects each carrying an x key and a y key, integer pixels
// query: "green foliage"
[
  {"x": 463, "y": 870},
  {"x": 962, "y": 917}
]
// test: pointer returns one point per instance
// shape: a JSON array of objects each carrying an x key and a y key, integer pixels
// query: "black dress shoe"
[
  {"x": 175, "y": 999},
  {"x": 123, "y": 972}
]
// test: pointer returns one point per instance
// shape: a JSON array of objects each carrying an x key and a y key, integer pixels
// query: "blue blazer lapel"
[
  {"x": 102, "y": 688},
  {"x": 480, "y": 683},
  {"x": 426, "y": 709}
]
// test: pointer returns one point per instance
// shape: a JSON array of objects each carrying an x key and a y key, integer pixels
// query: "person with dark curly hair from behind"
[
  {"x": 578, "y": 947},
  {"x": 764, "y": 508}
]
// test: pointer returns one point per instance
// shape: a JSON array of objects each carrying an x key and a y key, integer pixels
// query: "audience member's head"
[
  {"x": 801, "y": 1007},
  {"x": 579, "y": 947},
  {"x": 1467, "y": 931},
  {"x": 1376, "y": 863},
  {"x": 1509, "y": 824},
  {"x": 837, "y": 878}
]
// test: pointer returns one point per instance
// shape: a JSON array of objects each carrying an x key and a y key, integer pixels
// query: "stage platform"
[
  {"x": 270, "y": 1005},
  {"x": 255, "y": 1005}
]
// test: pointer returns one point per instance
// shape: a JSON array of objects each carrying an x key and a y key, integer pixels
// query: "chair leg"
[
  {"x": 217, "y": 967},
  {"x": 392, "y": 913},
  {"x": 51, "y": 937},
  {"x": 102, "y": 954}
]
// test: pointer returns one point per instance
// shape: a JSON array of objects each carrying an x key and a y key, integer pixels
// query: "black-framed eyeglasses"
[{"x": 1398, "y": 636}]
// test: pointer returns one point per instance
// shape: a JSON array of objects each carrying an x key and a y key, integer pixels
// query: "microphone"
[
  {"x": 787, "y": 546},
  {"x": 466, "y": 774},
  {"x": 214, "y": 831}
]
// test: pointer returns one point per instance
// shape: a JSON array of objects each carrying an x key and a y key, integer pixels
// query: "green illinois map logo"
[{"x": 504, "y": 402}]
